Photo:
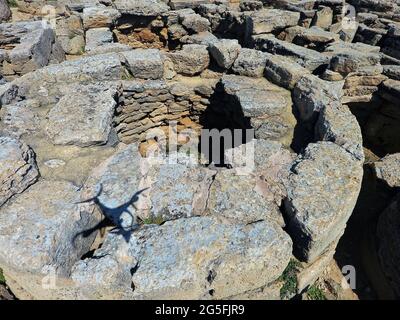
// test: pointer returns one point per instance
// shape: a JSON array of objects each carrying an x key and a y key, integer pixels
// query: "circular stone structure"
[{"x": 187, "y": 150}]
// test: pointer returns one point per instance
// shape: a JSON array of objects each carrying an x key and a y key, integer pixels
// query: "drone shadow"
[{"x": 112, "y": 216}]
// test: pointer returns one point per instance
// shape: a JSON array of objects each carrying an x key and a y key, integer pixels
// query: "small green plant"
[
  {"x": 289, "y": 278},
  {"x": 2, "y": 279},
  {"x": 12, "y": 3},
  {"x": 315, "y": 293},
  {"x": 154, "y": 220}
]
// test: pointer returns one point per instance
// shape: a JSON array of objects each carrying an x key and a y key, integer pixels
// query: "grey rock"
[
  {"x": 250, "y": 63},
  {"x": 389, "y": 244},
  {"x": 204, "y": 38},
  {"x": 322, "y": 193},
  {"x": 323, "y": 18},
  {"x": 194, "y": 258},
  {"x": 283, "y": 71},
  {"x": 387, "y": 169},
  {"x": 191, "y": 60},
  {"x": 141, "y": 7},
  {"x": 18, "y": 169},
  {"x": 268, "y": 106},
  {"x": 145, "y": 63},
  {"x": 337, "y": 124},
  {"x": 225, "y": 52},
  {"x": 392, "y": 71},
  {"x": 268, "y": 161},
  {"x": 307, "y": 58},
  {"x": 97, "y": 17},
  {"x": 240, "y": 198},
  {"x": 269, "y": 20},
  {"x": 5, "y": 12},
  {"x": 37, "y": 230},
  {"x": 98, "y": 37},
  {"x": 83, "y": 117},
  {"x": 311, "y": 95},
  {"x": 349, "y": 60},
  {"x": 195, "y": 23}
]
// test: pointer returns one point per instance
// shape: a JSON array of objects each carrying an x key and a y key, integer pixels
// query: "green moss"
[
  {"x": 2, "y": 279},
  {"x": 12, "y": 3},
  {"x": 289, "y": 278},
  {"x": 154, "y": 220},
  {"x": 315, "y": 293}
]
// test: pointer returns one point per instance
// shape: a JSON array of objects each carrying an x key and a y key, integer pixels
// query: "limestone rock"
[
  {"x": 18, "y": 169},
  {"x": 307, "y": 58},
  {"x": 145, "y": 63},
  {"x": 98, "y": 37},
  {"x": 268, "y": 106},
  {"x": 269, "y": 20},
  {"x": 336, "y": 123},
  {"x": 387, "y": 169},
  {"x": 37, "y": 230},
  {"x": 283, "y": 72},
  {"x": 84, "y": 116},
  {"x": 141, "y": 7},
  {"x": 191, "y": 60},
  {"x": 250, "y": 63},
  {"x": 186, "y": 259},
  {"x": 315, "y": 217},
  {"x": 225, "y": 52},
  {"x": 96, "y": 17},
  {"x": 312, "y": 94}
]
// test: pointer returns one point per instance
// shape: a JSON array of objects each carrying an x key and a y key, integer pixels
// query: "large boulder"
[
  {"x": 191, "y": 60},
  {"x": 145, "y": 63},
  {"x": 250, "y": 63},
  {"x": 18, "y": 168},
  {"x": 200, "y": 257},
  {"x": 38, "y": 232},
  {"x": 323, "y": 189},
  {"x": 225, "y": 52},
  {"x": 268, "y": 106},
  {"x": 307, "y": 58},
  {"x": 83, "y": 116}
]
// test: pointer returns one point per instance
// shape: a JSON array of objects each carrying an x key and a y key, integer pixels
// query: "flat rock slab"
[
  {"x": 193, "y": 258},
  {"x": 83, "y": 117},
  {"x": 37, "y": 230},
  {"x": 145, "y": 63},
  {"x": 307, "y": 58},
  {"x": 141, "y": 7},
  {"x": 169, "y": 188},
  {"x": 270, "y": 20},
  {"x": 322, "y": 193},
  {"x": 268, "y": 106},
  {"x": 18, "y": 169}
]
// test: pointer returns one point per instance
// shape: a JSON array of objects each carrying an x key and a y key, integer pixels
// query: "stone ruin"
[{"x": 84, "y": 89}]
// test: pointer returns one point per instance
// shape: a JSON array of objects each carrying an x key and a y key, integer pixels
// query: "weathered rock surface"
[
  {"x": 191, "y": 60},
  {"x": 145, "y": 63},
  {"x": 5, "y": 12},
  {"x": 187, "y": 258},
  {"x": 225, "y": 52},
  {"x": 387, "y": 169},
  {"x": 37, "y": 234},
  {"x": 315, "y": 217},
  {"x": 268, "y": 106},
  {"x": 84, "y": 117},
  {"x": 18, "y": 168},
  {"x": 250, "y": 63}
]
